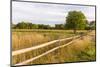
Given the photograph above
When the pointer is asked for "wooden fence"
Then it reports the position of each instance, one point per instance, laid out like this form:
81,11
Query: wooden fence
17,52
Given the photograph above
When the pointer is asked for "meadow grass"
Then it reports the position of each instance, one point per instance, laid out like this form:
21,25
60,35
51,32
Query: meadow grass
24,39
81,50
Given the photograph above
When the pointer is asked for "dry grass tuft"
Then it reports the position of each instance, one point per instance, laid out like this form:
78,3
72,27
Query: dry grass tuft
27,39
81,50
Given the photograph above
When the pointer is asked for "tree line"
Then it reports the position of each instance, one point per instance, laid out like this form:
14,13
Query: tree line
29,25
75,20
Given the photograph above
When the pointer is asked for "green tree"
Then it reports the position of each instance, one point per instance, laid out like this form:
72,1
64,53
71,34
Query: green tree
92,25
34,26
59,26
75,20
23,25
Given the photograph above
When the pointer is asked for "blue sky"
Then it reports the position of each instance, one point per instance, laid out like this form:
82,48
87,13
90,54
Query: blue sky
43,13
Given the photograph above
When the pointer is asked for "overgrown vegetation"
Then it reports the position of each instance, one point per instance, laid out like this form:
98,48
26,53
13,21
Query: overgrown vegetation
28,38
29,25
81,50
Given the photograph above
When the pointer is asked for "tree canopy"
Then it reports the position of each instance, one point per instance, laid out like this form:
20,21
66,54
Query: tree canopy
75,20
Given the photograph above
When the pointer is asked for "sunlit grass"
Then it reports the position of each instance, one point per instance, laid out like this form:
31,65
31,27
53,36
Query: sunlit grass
80,50
25,39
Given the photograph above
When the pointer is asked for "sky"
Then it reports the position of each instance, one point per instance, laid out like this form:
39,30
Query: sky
44,13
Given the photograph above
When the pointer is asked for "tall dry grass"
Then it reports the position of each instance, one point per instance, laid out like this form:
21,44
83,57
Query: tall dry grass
21,40
25,56
26,39
82,49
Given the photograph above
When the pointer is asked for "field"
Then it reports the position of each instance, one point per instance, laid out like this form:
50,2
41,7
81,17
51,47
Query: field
52,33
27,38
83,49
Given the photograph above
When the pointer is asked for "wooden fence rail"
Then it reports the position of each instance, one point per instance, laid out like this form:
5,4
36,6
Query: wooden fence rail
47,52
17,52
39,46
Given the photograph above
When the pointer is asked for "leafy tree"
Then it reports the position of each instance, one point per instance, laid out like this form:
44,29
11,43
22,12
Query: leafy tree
59,26
92,25
75,20
34,26
42,26
24,25
46,27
